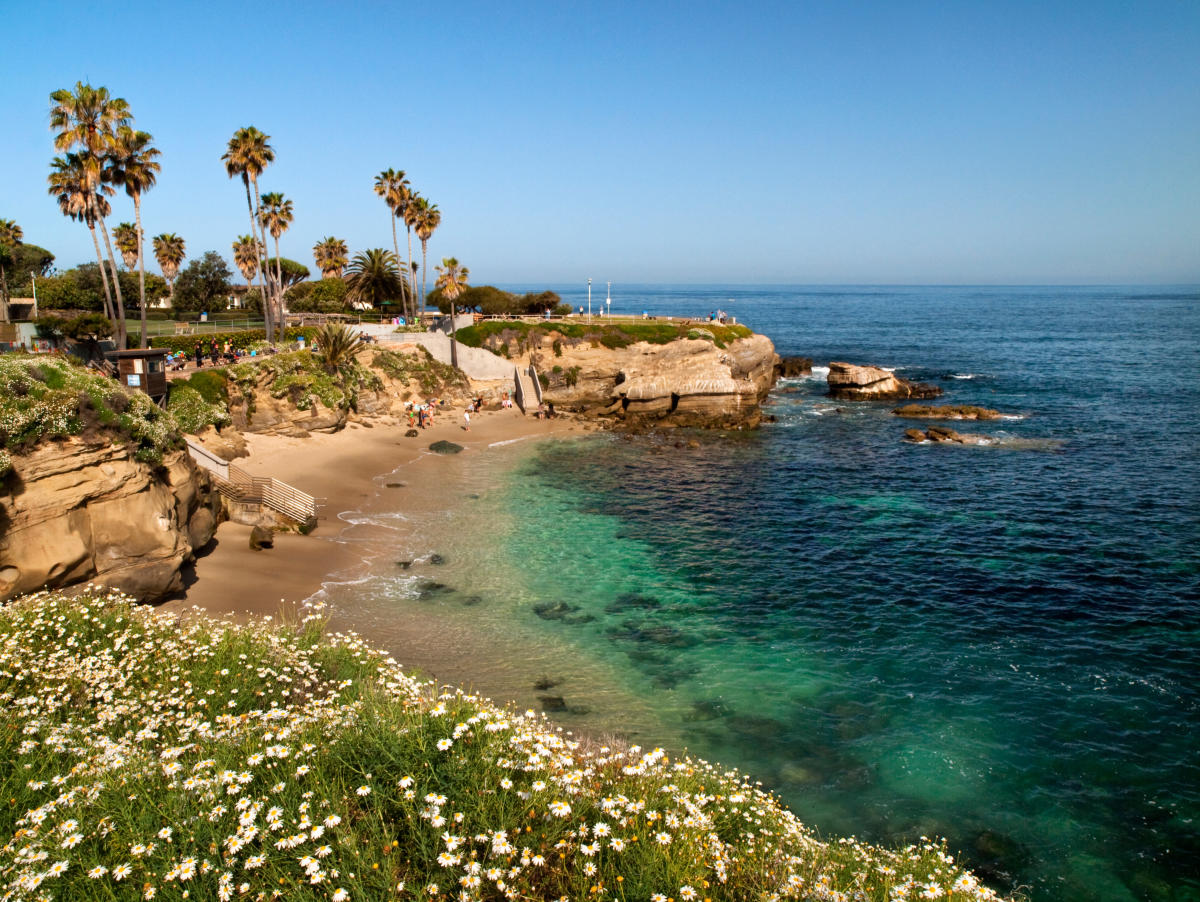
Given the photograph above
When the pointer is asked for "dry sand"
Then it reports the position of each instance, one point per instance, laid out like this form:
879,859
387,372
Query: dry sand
341,470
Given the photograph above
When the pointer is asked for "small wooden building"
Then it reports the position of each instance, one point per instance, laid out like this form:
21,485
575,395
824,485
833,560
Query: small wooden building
143,370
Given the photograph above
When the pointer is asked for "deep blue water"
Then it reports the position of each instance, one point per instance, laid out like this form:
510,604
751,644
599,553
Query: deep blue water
999,645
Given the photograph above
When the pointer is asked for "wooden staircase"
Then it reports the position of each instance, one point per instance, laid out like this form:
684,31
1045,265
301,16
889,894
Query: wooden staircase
246,493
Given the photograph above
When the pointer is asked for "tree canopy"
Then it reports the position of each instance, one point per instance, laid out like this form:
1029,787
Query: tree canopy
492,301
293,272
204,284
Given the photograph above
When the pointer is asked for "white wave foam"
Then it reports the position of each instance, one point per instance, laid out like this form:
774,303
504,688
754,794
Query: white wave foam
508,441
821,371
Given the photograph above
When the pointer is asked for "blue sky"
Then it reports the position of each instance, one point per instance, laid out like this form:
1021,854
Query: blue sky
659,142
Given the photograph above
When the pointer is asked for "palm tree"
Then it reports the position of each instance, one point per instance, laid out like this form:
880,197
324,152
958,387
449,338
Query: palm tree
276,216
135,167
393,187
71,186
90,118
125,235
247,155
247,254
427,217
169,250
452,280
330,255
374,276
10,237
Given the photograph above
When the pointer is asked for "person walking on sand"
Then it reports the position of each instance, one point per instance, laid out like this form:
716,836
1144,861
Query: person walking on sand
467,417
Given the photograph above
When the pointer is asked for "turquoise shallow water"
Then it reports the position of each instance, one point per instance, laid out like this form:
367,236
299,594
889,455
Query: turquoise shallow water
994,644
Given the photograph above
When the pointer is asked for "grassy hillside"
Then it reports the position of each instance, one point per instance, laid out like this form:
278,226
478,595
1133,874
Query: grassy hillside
145,757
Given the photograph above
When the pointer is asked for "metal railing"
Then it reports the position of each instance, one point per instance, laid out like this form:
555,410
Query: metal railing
237,485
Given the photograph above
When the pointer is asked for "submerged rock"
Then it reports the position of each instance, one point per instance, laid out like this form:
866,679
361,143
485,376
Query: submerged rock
444,447
945,435
543,683
851,382
553,702
946,412
436,558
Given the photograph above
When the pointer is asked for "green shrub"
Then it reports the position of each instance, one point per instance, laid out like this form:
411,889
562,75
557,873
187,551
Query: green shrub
242,339
192,411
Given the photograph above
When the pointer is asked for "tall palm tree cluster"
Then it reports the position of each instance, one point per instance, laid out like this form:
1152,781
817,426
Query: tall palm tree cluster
419,215
100,149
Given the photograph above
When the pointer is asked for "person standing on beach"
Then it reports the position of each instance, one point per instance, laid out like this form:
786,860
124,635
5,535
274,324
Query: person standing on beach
467,417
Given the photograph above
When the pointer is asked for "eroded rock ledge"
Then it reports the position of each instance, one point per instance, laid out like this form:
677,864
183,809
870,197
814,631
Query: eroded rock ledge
73,511
850,382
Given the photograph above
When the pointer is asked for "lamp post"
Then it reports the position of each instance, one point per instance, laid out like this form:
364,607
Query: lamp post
589,300
608,300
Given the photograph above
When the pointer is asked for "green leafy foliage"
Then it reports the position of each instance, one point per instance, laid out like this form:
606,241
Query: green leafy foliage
242,340
27,260
204,284
523,335
433,376
192,411
492,301
325,296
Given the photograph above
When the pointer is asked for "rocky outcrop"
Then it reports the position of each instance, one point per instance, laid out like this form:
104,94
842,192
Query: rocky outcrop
77,512
791,367
946,412
849,382
686,382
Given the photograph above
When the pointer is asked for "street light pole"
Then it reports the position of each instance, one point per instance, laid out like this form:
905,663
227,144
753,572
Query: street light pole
608,300
589,300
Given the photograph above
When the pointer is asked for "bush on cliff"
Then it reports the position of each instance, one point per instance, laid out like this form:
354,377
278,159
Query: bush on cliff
143,755
47,397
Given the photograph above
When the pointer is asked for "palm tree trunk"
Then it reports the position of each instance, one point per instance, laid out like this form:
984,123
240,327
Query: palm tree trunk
108,308
412,276
3,296
396,247
262,285
279,285
275,303
122,341
137,214
424,263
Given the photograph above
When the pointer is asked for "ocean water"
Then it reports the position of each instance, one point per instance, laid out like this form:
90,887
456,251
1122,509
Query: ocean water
996,644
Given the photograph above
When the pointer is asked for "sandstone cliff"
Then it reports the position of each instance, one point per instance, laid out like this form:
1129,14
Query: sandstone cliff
76,511
686,382
849,382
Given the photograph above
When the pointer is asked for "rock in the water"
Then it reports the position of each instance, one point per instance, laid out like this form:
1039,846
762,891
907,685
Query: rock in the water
553,610
395,485
790,367
544,683
945,435
947,412
436,558
553,702
412,433
444,447
403,565
262,537
850,382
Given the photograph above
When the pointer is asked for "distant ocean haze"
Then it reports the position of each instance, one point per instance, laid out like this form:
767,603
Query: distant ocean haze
992,643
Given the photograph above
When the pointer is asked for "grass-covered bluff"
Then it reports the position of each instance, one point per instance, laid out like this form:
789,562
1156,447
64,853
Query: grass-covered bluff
147,757
47,397
509,338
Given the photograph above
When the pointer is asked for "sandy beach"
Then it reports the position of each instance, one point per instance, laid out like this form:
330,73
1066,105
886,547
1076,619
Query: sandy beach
343,471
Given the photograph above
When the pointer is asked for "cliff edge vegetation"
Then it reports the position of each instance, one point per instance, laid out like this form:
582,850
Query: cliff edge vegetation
146,756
